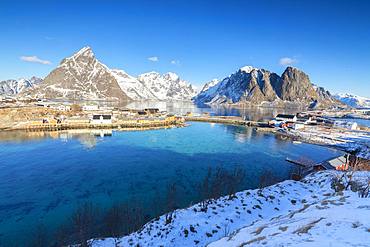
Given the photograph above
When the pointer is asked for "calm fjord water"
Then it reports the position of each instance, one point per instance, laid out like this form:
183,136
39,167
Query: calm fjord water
45,176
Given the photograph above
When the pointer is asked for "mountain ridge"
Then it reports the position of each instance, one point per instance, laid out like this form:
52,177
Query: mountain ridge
13,87
255,86
353,100
82,76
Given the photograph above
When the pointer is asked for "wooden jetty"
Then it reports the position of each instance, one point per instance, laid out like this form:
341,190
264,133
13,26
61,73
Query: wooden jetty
123,124
225,120
304,168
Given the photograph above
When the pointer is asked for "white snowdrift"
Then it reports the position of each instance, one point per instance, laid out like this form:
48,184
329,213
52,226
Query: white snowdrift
306,213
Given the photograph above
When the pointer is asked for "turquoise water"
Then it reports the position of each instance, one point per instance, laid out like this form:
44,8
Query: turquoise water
45,176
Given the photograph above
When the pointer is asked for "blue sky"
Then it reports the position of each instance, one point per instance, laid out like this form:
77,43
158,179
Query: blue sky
199,40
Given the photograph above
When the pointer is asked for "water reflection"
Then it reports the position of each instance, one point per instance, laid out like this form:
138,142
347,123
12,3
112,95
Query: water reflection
87,137
182,107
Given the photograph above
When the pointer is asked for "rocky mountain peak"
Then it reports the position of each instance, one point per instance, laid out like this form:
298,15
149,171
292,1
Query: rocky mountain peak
171,76
167,86
84,52
247,69
296,86
85,55
80,77
250,85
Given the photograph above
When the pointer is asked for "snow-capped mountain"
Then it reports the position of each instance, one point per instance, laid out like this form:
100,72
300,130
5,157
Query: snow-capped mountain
353,100
246,84
133,88
13,87
82,77
259,86
168,86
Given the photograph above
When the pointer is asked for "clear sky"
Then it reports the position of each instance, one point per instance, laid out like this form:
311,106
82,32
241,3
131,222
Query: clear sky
199,40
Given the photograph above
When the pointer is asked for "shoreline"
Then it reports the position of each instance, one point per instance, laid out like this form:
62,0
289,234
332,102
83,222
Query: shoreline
341,143
340,139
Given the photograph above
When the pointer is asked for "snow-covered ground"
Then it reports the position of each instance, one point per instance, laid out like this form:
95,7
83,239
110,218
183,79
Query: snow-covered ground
338,219
305,213
348,140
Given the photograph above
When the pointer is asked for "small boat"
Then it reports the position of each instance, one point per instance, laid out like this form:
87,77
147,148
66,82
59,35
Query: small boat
297,142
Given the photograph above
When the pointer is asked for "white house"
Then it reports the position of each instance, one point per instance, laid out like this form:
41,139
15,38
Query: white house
298,126
63,107
286,118
101,119
346,125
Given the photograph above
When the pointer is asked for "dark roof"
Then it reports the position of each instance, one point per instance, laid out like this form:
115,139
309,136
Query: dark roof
285,116
105,116
303,118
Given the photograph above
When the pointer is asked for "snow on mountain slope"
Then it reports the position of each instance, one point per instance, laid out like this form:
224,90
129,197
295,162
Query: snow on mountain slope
298,211
248,69
134,88
13,87
247,84
167,86
255,86
208,85
82,77
353,100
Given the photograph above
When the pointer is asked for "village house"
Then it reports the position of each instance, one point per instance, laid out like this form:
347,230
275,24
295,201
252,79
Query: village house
101,118
346,125
309,120
60,107
142,113
151,110
286,118
298,125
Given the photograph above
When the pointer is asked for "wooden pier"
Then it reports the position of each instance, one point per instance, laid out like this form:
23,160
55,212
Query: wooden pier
227,120
135,124
130,124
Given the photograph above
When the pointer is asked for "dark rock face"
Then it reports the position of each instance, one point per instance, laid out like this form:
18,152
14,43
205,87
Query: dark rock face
251,85
296,86
259,86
